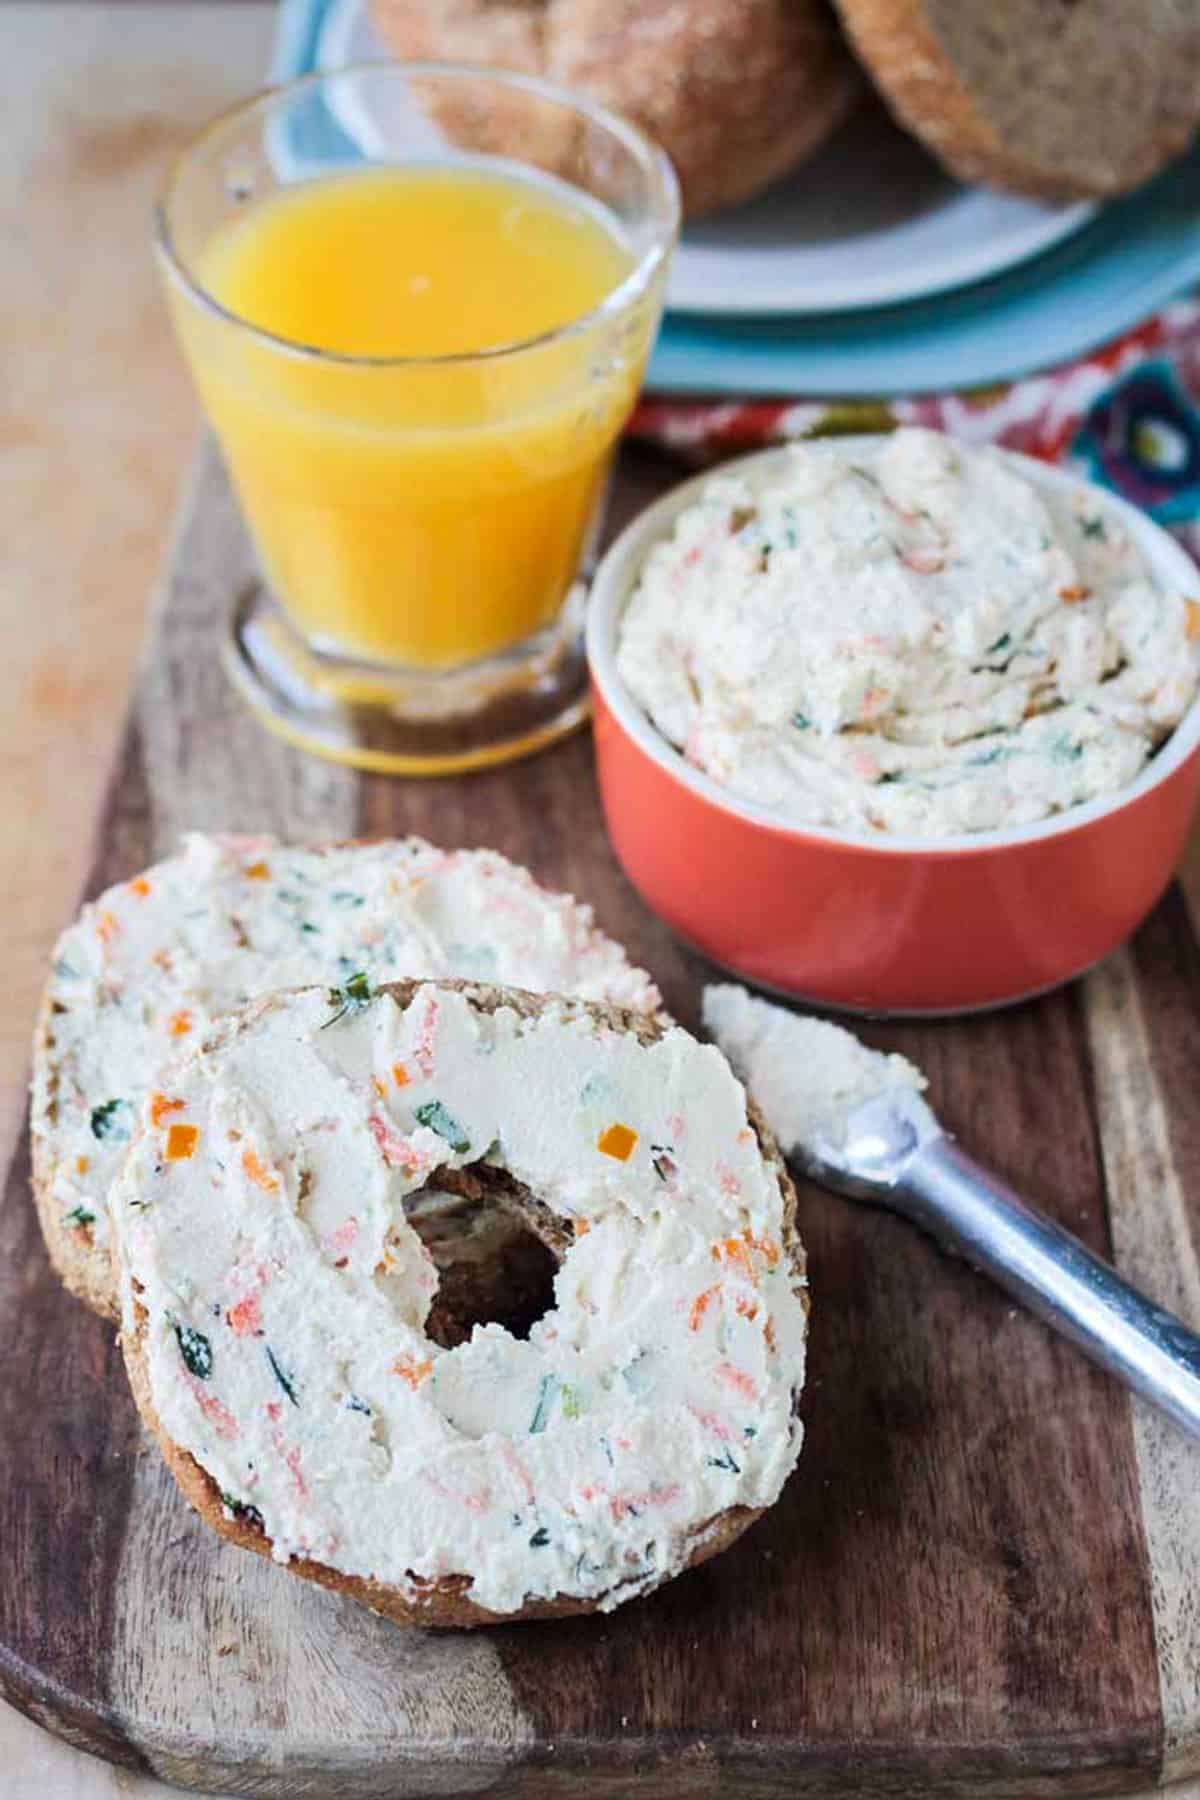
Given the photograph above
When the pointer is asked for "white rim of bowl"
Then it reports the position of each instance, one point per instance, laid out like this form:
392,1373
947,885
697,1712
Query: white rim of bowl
613,585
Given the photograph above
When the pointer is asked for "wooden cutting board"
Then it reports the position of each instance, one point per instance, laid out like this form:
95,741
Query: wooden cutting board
984,1578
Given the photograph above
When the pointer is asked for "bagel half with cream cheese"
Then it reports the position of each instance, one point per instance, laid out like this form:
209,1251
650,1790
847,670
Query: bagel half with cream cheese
275,1299
146,968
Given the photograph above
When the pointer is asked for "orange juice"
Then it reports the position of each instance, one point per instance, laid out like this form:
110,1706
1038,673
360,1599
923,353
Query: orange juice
426,507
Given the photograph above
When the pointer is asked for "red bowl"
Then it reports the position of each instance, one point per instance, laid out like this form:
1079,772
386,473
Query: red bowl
899,925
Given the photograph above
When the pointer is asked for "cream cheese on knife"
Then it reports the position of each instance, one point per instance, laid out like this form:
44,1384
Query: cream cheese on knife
807,1075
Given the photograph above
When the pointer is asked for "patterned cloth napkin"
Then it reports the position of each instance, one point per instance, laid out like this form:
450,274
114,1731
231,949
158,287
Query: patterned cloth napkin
1127,416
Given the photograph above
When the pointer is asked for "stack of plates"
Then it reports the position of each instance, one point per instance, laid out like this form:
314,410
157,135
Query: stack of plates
870,272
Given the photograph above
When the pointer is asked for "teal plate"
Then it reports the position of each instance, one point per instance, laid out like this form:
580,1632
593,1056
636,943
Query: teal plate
1140,252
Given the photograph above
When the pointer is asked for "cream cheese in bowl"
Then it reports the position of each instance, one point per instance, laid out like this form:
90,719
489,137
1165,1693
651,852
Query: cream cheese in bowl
910,637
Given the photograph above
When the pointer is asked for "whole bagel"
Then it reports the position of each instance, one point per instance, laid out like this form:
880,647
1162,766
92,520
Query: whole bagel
735,91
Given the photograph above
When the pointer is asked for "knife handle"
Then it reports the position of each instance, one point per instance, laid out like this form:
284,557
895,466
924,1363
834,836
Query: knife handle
973,1212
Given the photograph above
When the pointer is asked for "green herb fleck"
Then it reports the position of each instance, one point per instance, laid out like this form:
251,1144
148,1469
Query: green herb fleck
357,1405
285,1380
1001,643
240,1509
1093,527
801,721
195,1350
540,1538
79,1215
344,897
547,1388
433,1114
996,754
313,930
354,993
724,1461
749,1430
111,1120
572,1402
888,776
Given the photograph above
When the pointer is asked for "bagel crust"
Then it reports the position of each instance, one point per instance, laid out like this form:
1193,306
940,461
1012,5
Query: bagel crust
1063,102
145,969
276,1342
737,92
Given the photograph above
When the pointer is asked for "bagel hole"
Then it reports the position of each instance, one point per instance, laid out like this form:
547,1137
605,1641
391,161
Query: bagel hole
492,1269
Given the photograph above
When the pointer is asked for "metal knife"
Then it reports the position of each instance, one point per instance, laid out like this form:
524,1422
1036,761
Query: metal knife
888,1148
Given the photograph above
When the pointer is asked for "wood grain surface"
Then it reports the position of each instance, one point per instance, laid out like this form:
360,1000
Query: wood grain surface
981,1579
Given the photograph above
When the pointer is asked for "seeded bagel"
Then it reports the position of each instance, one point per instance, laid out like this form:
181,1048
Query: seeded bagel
145,968
274,1341
1071,100
736,91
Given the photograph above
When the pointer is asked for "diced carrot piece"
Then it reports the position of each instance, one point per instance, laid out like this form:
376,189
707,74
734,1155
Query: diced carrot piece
245,1316
580,1227
411,1371
160,1106
258,1172
736,1378
81,1165
181,1142
257,871
700,1306
1191,629
107,927
766,1247
617,1141
378,1086
1074,593
400,1075
139,886
736,1251
180,1024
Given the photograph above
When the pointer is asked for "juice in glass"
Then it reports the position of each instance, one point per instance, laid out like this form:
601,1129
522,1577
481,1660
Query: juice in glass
435,527
417,370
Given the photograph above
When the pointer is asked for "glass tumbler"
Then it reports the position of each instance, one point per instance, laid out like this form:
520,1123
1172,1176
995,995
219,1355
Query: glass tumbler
422,524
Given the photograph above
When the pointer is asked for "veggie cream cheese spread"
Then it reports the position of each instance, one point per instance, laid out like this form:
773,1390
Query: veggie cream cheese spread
143,971
806,1074
260,1224
909,637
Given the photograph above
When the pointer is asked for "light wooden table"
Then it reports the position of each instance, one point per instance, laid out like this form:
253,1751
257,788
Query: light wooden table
96,427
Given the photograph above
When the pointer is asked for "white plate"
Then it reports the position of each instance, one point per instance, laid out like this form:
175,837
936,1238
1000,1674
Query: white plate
870,221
